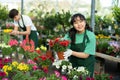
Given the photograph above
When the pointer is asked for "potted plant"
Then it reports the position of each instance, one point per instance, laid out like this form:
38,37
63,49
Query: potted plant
59,46
62,65
7,51
43,62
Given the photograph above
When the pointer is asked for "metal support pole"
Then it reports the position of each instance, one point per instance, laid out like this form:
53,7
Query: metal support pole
57,10
22,5
92,14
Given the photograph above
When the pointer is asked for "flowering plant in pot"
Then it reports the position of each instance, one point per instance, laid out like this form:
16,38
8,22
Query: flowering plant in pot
13,43
62,65
6,50
59,46
44,62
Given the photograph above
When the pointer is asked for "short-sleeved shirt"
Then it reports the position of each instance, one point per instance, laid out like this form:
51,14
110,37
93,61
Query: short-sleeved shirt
90,45
27,22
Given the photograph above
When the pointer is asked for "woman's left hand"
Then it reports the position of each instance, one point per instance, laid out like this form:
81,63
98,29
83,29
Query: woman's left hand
67,53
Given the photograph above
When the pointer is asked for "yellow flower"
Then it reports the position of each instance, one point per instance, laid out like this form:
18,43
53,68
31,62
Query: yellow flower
7,30
37,48
43,48
9,68
23,67
5,68
15,63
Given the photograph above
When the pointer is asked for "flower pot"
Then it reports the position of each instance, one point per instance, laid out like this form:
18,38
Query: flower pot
49,53
60,55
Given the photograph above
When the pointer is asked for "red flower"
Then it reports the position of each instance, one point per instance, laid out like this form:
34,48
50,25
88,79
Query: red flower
51,43
59,45
57,40
2,74
1,65
7,60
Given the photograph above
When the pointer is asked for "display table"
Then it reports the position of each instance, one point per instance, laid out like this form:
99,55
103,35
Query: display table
108,57
100,61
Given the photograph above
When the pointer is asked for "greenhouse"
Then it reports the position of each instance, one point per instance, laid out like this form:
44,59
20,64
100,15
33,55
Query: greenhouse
59,40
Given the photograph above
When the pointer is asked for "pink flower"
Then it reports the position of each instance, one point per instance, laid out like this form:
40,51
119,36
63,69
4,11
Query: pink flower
57,73
35,67
64,78
13,42
31,62
4,78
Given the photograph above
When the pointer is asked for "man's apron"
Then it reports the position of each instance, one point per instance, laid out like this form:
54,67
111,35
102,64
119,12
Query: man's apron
33,34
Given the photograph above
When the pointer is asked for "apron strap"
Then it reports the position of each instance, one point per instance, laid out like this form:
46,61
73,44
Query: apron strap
85,38
23,28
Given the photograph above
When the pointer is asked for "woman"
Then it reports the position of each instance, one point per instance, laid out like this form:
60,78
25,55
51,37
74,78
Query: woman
25,23
83,44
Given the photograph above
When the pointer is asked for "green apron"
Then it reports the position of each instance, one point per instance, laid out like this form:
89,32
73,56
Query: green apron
34,37
86,62
33,34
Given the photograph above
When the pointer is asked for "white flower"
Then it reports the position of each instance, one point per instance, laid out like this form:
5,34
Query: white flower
64,67
70,67
57,66
82,69
75,76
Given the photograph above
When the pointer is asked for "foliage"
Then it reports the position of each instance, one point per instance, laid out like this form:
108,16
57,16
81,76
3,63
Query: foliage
50,22
59,45
23,76
63,19
6,37
38,74
52,77
116,12
3,12
103,77
43,61
76,73
6,50
102,43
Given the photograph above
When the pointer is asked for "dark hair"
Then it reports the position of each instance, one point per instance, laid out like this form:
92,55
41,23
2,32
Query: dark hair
13,13
73,31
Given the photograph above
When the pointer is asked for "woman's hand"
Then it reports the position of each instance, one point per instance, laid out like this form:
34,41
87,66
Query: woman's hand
67,53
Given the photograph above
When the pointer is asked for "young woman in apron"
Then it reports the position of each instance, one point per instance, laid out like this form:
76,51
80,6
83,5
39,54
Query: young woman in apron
83,44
